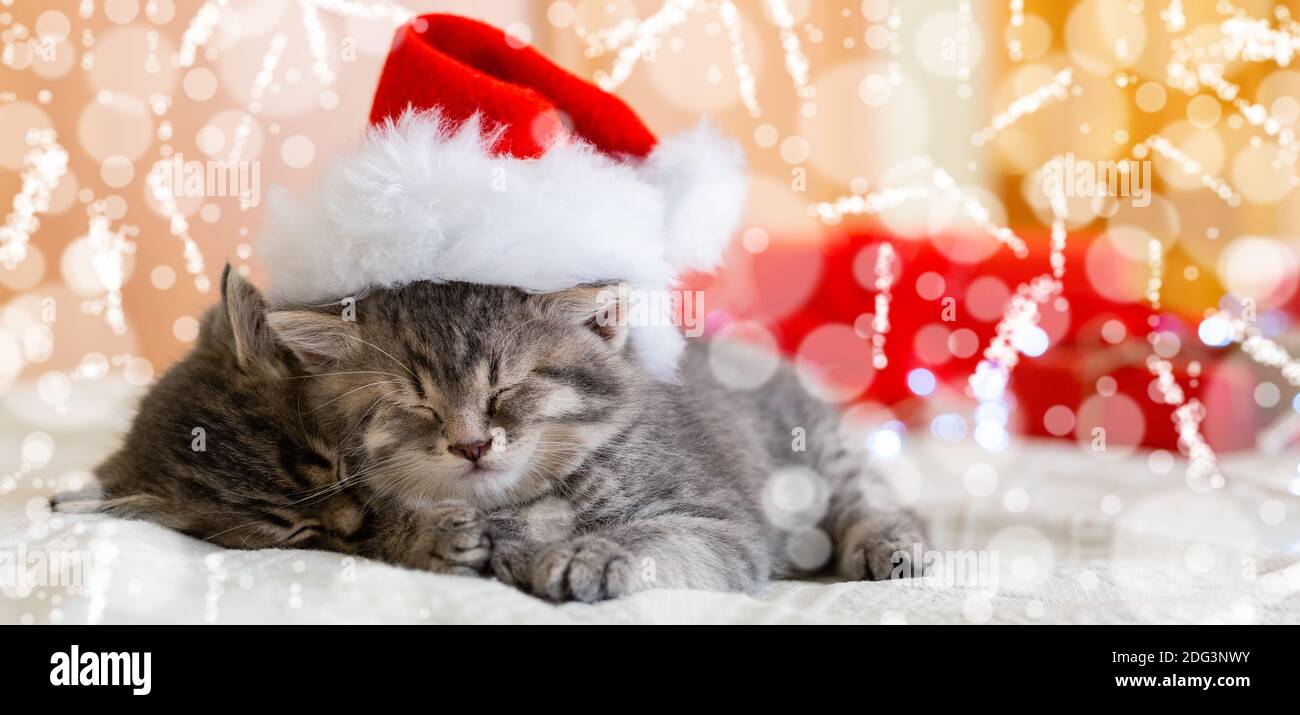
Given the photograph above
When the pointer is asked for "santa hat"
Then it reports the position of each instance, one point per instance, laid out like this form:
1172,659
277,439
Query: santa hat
485,162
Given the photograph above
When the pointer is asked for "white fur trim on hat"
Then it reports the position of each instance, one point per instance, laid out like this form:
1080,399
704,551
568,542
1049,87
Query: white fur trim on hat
702,176
421,199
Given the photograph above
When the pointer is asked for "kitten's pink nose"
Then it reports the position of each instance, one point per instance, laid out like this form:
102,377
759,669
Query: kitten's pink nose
471,451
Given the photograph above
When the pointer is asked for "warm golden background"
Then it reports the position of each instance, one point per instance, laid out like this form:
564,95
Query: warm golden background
886,82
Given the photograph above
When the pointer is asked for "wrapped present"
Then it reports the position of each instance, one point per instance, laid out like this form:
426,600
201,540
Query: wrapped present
1084,369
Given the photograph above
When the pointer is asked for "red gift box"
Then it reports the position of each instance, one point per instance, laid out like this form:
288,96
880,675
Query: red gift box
1086,341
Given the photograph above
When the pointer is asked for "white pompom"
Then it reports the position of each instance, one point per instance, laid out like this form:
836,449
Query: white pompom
702,176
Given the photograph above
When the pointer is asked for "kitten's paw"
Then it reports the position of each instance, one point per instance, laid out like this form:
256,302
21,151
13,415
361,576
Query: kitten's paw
509,563
587,568
454,539
883,548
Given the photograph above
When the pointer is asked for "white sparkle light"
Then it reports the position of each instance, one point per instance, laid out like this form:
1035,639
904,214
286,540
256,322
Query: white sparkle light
317,42
796,62
939,184
635,40
104,555
886,262
1261,349
14,37
1026,105
160,188
1254,40
1014,50
1241,38
1017,331
963,58
1060,212
216,586
365,10
1257,115
108,251
261,82
1165,148
1021,316
1173,16
200,30
873,203
1155,271
44,165
1202,464
730,17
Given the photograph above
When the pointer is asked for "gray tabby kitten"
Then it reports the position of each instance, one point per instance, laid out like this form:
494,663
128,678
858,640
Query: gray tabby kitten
222,449
592,480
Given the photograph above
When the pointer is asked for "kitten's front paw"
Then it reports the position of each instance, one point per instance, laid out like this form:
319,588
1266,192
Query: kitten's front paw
879,550
454,539
510,563
587,568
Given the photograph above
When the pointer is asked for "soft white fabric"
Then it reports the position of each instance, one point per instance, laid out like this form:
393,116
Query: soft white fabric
420,199
1167,555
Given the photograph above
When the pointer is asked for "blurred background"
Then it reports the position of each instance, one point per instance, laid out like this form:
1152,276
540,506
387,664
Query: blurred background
957,105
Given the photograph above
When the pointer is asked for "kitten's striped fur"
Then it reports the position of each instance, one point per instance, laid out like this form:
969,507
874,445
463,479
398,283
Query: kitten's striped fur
224,449
598,481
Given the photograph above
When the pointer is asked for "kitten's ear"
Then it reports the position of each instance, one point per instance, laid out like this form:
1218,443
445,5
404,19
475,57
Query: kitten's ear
316,338
246,312
91,500
602,309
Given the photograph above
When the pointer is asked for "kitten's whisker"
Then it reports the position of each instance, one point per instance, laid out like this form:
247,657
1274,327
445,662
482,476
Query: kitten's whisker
349,392
390,357
388,488
334,374
341,484
226,531
400,461
551,475
361,420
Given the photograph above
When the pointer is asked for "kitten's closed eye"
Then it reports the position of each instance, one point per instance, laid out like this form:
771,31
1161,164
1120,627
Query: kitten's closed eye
418,408
427,410
290,530
496,398
302,531
424,409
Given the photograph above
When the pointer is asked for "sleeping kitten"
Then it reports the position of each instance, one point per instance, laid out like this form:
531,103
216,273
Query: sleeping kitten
223,449
595,481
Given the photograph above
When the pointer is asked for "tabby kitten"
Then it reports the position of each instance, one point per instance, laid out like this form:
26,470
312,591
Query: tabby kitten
224,450
594,480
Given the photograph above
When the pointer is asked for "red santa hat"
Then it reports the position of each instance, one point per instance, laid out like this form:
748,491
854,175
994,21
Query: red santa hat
486,162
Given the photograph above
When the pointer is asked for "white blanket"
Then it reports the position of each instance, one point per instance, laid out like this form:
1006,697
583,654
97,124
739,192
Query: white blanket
1067,537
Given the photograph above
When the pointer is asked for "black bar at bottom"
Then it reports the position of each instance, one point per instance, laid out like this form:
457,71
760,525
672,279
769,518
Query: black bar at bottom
305,663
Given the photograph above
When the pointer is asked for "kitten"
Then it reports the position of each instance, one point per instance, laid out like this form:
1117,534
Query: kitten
594,480
223,449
